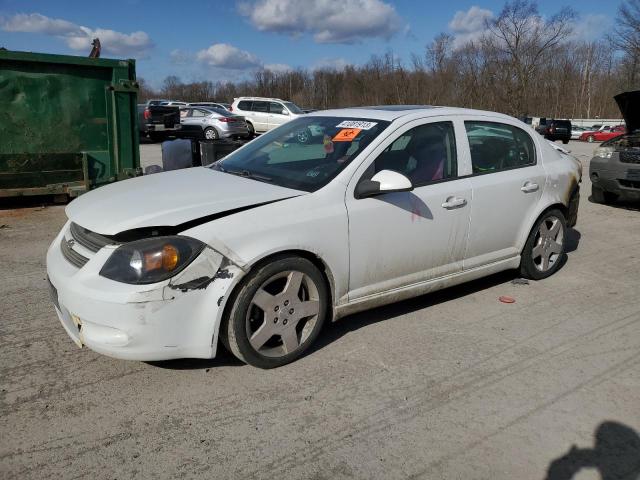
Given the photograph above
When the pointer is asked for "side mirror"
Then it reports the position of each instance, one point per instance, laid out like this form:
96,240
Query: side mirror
385,181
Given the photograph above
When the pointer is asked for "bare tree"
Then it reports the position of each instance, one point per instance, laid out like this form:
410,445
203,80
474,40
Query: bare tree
627,38
525,40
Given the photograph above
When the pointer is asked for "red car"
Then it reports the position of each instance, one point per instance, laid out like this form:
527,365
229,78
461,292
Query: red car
603,135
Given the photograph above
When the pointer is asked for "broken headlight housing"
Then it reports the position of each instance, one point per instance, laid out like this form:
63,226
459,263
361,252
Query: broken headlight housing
151,260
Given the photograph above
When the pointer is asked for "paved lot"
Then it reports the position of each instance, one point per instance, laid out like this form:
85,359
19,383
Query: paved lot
451,385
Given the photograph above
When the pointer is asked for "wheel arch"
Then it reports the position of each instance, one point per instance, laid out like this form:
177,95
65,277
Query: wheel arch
322,266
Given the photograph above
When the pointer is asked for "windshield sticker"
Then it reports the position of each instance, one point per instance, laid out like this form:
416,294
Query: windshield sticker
327,144
347,134
357,124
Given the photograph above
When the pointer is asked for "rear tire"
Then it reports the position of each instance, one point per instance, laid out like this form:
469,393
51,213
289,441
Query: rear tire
252,131
276,313
590,139
544,251
157,137
598,195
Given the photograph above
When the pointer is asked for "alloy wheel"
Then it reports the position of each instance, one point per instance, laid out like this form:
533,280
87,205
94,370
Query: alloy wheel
548,243
282,314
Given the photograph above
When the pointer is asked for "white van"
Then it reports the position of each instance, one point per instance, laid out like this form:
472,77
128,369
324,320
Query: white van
263,114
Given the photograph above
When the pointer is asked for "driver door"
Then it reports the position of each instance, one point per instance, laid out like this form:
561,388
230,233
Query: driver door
405,238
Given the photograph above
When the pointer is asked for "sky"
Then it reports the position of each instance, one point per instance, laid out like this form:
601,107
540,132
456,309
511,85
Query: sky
228,40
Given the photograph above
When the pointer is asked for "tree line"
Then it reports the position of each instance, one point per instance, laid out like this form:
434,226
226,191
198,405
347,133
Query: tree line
521,64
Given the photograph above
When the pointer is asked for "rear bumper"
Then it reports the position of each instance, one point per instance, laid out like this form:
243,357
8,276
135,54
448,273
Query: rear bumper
611,175
162,128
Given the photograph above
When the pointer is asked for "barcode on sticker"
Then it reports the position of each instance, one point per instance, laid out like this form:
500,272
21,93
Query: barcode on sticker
356,124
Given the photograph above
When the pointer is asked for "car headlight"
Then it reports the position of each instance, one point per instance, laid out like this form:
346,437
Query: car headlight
603,152
151,260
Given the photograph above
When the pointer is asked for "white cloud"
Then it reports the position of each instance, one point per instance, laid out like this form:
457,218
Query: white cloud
278,67
329,21
224,55
78,37
469,25
591,27
180,57
330,64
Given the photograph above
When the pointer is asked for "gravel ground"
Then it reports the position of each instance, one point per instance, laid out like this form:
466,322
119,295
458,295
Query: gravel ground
449,385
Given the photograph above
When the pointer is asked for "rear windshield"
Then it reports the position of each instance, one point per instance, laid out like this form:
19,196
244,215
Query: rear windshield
305,153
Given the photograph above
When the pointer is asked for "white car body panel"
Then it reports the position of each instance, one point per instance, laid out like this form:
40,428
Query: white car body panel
369,248
168,199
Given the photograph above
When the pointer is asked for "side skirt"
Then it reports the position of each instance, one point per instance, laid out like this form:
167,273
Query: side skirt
417,289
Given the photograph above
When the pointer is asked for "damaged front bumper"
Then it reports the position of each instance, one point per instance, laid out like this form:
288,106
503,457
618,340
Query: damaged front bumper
176,318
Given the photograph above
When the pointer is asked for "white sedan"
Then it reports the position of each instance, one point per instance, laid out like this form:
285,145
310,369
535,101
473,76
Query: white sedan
261,249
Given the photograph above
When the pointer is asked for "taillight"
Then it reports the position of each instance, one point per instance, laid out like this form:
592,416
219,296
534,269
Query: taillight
552,129
147,114
226,120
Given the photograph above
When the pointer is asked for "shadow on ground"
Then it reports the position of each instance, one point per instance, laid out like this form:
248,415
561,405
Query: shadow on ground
615,455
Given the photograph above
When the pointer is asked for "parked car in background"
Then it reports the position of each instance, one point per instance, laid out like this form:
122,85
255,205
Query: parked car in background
264,247
615,167
211,123
158,121
263,114
577,131
224,106
603,135
175,103
553,130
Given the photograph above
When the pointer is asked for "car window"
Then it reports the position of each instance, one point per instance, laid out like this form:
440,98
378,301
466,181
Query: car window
184,112
245,105
305,153
424,154
260,107
196,112
497,146
275,107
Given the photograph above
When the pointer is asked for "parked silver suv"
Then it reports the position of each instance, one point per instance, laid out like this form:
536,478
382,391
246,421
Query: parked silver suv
263,114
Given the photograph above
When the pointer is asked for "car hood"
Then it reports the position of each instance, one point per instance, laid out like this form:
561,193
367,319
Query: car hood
629,105
170,199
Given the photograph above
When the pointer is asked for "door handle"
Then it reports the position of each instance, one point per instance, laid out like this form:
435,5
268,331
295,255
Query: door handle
454,202
529,187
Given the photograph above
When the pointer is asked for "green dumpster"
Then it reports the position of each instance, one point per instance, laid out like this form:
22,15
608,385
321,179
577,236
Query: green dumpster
68,123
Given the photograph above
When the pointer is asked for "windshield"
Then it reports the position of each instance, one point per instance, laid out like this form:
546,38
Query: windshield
305,153
293,108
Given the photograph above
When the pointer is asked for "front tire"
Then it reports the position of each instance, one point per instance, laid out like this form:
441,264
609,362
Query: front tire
544,251
590,139
277,313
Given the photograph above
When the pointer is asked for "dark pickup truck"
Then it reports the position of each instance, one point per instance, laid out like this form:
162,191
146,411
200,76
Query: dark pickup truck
158,121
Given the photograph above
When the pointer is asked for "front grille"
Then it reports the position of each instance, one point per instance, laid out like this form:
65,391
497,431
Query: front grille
71,255
88,239
630,183
630,157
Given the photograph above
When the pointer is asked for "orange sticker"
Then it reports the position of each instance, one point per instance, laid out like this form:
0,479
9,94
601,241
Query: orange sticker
346,134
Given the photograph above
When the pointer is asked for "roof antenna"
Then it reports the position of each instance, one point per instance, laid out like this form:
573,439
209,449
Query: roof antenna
95,51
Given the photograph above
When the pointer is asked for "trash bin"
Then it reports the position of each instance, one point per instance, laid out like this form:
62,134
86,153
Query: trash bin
213,150
180,153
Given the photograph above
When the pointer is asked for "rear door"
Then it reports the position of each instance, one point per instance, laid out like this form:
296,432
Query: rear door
260,116
507,181
277,115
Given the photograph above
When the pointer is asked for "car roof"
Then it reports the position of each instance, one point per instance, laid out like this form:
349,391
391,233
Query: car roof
393,112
